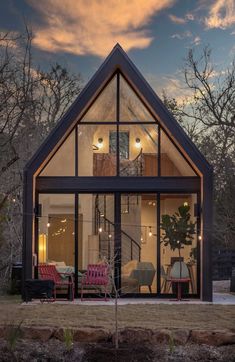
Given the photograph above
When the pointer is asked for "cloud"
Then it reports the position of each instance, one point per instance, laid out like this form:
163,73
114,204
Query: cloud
221,14
184,35
94,26
196,41
189,16
177,20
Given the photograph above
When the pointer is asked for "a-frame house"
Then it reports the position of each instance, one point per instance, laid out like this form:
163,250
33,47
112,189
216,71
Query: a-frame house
100,185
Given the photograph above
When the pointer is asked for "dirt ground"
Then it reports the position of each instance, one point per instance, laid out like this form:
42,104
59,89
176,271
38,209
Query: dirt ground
55,350
192,316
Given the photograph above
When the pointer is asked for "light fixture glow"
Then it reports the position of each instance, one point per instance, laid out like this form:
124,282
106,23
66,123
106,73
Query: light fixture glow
199,237
48,224
185,204
137,143
100,230
150,231
100,142
110,236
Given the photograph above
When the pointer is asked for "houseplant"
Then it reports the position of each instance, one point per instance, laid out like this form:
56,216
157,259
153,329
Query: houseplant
178,230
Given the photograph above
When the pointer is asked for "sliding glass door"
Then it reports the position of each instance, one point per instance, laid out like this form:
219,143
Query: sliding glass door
147,238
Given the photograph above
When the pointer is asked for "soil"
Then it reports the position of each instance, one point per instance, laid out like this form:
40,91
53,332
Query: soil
55,351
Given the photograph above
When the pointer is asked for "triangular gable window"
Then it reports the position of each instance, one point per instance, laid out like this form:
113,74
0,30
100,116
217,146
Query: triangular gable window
132,108
172,161
63,161
104,107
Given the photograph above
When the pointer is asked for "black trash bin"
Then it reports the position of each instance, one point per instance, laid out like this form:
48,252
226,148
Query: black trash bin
16,278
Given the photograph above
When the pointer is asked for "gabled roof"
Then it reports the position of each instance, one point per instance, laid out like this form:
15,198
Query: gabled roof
118,59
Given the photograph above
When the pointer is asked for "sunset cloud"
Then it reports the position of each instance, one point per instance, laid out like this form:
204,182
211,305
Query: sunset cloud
221,14
177,20
94,27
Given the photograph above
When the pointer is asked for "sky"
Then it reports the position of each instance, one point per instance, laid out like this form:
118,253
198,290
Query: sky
156,34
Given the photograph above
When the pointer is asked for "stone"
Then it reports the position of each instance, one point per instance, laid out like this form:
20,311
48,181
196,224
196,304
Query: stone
180,336
40,333
213,338
91,335
134,335
85,335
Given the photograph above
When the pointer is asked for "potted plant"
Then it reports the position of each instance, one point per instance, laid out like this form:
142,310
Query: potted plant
177,231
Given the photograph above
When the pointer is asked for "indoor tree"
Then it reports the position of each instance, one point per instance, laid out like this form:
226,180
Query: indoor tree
178,230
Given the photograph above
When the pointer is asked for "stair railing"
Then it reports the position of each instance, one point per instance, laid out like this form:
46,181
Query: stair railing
110,224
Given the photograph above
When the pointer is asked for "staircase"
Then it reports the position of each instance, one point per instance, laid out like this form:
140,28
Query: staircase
104,227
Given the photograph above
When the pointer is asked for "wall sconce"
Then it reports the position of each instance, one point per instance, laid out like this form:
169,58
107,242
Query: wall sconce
100,142
137,143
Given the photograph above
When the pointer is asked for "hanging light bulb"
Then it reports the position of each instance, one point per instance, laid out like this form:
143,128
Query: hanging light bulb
150,231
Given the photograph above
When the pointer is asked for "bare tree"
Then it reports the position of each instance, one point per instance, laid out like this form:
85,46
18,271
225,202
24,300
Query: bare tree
31,103
209,119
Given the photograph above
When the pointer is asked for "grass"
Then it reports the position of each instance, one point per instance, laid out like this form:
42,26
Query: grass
149,316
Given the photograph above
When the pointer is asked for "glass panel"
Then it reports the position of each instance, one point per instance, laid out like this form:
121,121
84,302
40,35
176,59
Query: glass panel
104,107
141,149
138,243
95,231
63,161
131,107
172,162
178,242
56,231
96,157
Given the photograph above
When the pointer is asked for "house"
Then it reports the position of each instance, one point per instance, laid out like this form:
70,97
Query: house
101,183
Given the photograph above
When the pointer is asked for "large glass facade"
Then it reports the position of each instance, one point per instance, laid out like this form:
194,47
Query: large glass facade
120,138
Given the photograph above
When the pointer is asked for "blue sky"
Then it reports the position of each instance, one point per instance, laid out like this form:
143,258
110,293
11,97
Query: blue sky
157,34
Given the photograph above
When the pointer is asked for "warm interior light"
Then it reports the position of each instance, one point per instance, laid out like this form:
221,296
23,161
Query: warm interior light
150,231
137,143
199,237
110,236
100,143
42,248
48,224
100,230
185,204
